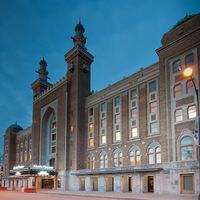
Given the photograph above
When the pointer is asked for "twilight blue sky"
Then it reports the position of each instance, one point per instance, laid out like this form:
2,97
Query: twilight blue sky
122,35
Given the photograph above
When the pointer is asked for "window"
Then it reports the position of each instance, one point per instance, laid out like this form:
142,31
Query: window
118,159
131,158
21,157
176,66
158,155
134,157
191,112
91,144
103,107
134,132
91,111
189,60
137,157
25,156
103,123
103,160
90,162
189,87
134,113
153,107
152,86
53,137
91,127
53,150
117,101
133,94
103,139
154,127
117,118
150,156
54,125
187,148
117,136
178,115
177,90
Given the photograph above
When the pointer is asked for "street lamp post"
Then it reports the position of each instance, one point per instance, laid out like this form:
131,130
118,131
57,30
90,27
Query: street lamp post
188,72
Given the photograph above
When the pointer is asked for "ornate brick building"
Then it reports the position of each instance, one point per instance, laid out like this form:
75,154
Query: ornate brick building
135,135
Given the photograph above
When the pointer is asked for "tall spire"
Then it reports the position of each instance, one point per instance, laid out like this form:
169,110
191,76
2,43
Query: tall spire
42,71
79,37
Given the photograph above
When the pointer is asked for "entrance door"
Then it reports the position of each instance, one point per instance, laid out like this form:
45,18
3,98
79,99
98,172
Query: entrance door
150,184
82,184
109,184
47,183
187,183
95,184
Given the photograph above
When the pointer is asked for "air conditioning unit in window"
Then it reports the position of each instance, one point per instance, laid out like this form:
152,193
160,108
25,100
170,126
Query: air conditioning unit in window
85,68
71,68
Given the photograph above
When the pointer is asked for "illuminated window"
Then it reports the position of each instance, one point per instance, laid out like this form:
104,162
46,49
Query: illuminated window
178,115
91,127
117,136
191,112
153,107
72,128
189,60
103,123
158,155
21,157
90,162
177,90
187,150
133,94
103,107
134,113
25,156
189,87
137,153
134,157
152,86
103,139
154,127
117,101
91,144
54,125
134,132
177,66
150,156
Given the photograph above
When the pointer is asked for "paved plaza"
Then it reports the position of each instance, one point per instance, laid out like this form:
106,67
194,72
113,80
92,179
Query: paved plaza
77,195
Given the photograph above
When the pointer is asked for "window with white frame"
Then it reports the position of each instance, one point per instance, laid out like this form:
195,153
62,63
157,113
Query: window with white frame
90,161
118,158
176,66
153,108
103,160
90,127
134,156
191,112
189,60
154,153
103,122
177,90
187,148
178,115
190,87
117,119
133,117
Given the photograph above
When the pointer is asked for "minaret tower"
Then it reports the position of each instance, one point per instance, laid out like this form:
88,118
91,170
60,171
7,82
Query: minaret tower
41,83
79,70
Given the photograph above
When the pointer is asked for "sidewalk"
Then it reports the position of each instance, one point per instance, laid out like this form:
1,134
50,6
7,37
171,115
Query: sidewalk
129,195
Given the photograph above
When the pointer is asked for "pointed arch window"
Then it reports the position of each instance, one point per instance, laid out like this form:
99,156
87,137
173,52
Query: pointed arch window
134,156
118,158
103,158
90,161
154,153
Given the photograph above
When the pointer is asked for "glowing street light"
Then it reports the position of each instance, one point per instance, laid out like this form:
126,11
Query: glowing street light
188,72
